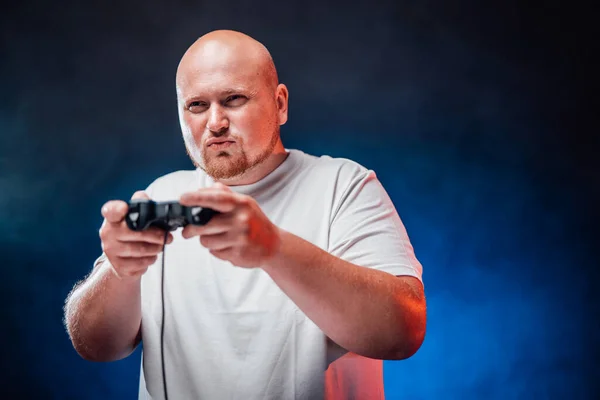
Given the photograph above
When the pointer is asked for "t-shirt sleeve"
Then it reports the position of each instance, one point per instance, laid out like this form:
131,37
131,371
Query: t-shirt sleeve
366,230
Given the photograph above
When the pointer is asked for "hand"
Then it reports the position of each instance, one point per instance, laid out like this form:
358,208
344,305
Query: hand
242,234
130,253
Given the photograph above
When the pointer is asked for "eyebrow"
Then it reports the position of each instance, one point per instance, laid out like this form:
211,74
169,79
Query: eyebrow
227,92
235,90
239,89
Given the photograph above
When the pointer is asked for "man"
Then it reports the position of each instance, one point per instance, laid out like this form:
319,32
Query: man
307,261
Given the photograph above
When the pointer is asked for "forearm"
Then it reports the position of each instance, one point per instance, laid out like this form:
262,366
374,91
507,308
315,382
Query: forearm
366,311
103,315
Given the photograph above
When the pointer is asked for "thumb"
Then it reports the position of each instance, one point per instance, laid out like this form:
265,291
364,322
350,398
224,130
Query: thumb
140,194
114,211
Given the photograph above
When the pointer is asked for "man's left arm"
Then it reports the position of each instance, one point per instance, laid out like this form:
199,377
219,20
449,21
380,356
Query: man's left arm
364,290
365,311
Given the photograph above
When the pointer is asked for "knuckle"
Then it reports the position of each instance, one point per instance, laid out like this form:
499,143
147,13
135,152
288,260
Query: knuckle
244,201
243,217
222,194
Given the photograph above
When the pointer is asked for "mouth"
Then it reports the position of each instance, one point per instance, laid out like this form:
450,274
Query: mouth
219,144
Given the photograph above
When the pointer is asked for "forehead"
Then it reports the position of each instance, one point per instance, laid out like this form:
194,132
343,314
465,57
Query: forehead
217,70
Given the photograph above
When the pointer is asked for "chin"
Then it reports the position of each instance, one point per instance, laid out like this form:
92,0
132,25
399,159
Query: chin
226,166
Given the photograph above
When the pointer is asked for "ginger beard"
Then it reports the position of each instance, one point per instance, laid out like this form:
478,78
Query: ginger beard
230,163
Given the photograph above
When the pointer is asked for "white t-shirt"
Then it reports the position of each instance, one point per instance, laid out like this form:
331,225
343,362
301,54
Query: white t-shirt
230,332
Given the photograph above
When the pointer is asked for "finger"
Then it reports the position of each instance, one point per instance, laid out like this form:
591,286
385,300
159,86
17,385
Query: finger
114,211
223,254
218,224
218,200
140,194
221,186
136,249
151,235
130,266
219,242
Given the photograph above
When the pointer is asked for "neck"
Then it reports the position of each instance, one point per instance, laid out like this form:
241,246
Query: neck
255,174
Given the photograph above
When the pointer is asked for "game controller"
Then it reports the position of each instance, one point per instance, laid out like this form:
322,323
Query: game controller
167,215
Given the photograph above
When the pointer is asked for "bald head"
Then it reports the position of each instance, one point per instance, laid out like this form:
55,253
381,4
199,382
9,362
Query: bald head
231,106
230,52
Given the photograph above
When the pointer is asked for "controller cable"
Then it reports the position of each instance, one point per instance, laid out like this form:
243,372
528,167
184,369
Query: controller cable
162,327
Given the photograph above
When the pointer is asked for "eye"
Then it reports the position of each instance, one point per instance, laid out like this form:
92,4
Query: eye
196,106
236,100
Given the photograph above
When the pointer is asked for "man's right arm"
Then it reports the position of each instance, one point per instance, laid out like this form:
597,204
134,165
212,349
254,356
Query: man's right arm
103,314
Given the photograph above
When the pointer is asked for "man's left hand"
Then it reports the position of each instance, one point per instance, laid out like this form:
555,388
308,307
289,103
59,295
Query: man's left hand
242,234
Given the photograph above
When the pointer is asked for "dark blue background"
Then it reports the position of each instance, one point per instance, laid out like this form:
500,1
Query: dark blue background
476,118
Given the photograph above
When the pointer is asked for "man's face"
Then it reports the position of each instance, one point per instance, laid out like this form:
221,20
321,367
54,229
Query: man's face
228,115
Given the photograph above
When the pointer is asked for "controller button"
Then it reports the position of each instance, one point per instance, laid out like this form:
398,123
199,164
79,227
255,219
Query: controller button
196,211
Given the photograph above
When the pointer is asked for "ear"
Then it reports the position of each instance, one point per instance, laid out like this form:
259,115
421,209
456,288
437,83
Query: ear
281,97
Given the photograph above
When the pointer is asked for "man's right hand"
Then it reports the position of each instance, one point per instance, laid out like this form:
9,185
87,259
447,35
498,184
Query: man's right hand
130,253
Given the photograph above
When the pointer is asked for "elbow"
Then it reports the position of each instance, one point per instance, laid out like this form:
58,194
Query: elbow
96,344
86,353
402,347
411,335
408,346
83,349
80,347
403,343
97,349
99,354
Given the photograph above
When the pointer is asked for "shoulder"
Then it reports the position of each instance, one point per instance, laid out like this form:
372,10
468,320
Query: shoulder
340,170
172,184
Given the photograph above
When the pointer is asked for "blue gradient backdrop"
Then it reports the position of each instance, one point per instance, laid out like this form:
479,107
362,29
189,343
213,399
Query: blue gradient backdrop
475,118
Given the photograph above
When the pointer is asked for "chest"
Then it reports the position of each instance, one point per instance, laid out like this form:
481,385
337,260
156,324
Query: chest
196,280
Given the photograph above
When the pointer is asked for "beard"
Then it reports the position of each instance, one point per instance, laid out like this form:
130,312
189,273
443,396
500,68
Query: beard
229,164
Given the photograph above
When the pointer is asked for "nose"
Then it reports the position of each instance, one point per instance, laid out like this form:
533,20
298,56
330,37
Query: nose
217,120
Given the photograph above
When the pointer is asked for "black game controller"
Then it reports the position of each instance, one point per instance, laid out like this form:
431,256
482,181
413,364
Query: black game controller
167,215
